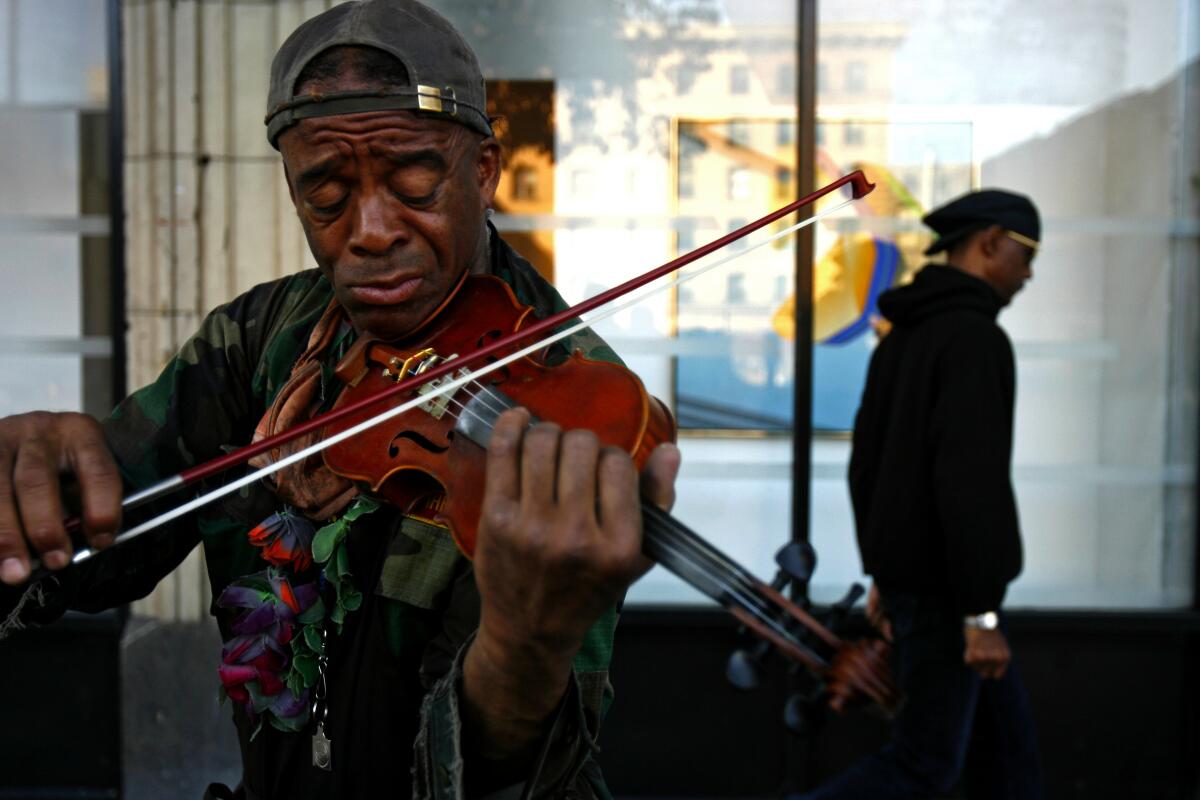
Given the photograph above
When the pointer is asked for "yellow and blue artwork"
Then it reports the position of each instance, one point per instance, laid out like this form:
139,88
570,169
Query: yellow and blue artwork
848,277
749,373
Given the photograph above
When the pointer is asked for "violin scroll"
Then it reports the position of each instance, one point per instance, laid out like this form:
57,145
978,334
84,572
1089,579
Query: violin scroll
844,674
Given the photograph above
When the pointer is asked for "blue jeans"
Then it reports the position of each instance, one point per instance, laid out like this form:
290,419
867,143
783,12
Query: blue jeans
953,722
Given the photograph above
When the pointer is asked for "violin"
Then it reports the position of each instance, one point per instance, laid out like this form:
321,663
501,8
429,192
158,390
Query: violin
434,457
413,423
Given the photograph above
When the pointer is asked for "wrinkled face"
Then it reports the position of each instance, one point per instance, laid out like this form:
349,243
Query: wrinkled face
1009,265
393,207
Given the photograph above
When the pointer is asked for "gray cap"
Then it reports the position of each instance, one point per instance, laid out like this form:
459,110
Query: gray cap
443,71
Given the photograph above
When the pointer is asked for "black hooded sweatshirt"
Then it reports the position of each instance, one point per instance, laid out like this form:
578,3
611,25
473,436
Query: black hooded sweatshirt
930,470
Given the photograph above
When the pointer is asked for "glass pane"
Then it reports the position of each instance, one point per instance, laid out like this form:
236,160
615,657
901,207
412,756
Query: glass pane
602,103
54,169
40,383
40,163
42,293
5,53
61,52
1105,436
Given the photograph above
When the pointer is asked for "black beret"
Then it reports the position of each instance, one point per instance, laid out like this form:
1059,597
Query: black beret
978,210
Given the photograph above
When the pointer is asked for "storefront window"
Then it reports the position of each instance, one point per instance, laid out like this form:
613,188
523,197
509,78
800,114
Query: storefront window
1090,109
55,335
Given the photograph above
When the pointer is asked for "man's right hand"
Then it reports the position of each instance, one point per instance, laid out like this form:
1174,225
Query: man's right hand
36,451
986,652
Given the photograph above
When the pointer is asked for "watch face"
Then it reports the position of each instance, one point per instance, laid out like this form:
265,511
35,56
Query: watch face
987,621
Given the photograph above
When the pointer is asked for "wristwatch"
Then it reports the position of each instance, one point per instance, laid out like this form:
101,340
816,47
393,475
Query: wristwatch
987,621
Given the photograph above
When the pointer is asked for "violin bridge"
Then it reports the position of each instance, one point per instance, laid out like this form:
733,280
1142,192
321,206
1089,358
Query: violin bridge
398,369
437,407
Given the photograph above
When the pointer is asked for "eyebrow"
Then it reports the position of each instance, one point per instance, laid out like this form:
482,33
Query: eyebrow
318,171
429,156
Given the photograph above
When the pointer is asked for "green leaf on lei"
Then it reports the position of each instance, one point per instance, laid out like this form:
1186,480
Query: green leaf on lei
361,505
312,637
351,601
307,667
328,538
329,548
295,682
313,614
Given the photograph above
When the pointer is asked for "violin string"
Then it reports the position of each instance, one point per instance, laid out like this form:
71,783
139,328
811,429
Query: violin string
764,608
486,397
446,387
675,543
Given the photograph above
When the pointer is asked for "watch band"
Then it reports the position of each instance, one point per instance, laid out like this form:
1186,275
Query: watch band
987,621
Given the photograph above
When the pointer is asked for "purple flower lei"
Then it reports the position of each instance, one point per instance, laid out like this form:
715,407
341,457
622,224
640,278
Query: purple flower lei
270,665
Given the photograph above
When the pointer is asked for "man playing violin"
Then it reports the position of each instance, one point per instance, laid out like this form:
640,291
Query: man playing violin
364,655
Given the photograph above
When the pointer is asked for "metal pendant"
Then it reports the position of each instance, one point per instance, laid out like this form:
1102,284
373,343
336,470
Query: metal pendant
322,749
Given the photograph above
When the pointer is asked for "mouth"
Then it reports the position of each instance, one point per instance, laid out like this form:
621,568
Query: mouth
386,293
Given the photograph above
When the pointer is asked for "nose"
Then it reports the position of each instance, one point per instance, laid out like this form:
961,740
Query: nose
377,225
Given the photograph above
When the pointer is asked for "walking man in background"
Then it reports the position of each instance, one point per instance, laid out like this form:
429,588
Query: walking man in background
936,516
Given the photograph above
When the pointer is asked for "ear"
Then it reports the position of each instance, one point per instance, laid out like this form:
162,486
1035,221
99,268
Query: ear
487,170
991,240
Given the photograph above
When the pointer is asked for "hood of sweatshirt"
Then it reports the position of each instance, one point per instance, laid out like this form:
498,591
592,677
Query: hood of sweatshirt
935,290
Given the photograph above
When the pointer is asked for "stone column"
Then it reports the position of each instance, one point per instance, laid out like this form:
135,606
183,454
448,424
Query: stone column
207,211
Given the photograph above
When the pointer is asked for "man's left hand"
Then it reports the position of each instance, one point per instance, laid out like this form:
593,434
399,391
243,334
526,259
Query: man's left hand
560,540
986,652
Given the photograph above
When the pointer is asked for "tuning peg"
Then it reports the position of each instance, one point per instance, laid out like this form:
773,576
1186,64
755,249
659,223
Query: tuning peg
797,560
852,596
744,668
803,714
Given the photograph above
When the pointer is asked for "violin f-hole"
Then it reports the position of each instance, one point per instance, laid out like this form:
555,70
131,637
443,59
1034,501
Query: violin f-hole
417,439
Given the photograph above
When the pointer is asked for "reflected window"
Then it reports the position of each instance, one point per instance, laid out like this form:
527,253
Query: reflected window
785,79
783,180
739,79
735,289
525,183
856,77
739,132
583,183
739,183
685,240
687,179
734,224
784,133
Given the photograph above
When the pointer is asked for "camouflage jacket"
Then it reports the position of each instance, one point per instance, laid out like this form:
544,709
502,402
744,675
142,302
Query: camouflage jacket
395,670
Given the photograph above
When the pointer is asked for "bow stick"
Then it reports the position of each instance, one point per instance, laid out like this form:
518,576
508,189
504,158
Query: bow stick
856,180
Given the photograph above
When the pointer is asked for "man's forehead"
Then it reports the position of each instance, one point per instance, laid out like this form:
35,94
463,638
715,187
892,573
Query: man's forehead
380,130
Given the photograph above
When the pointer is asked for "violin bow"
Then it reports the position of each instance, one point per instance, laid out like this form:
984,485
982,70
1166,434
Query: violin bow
859,187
